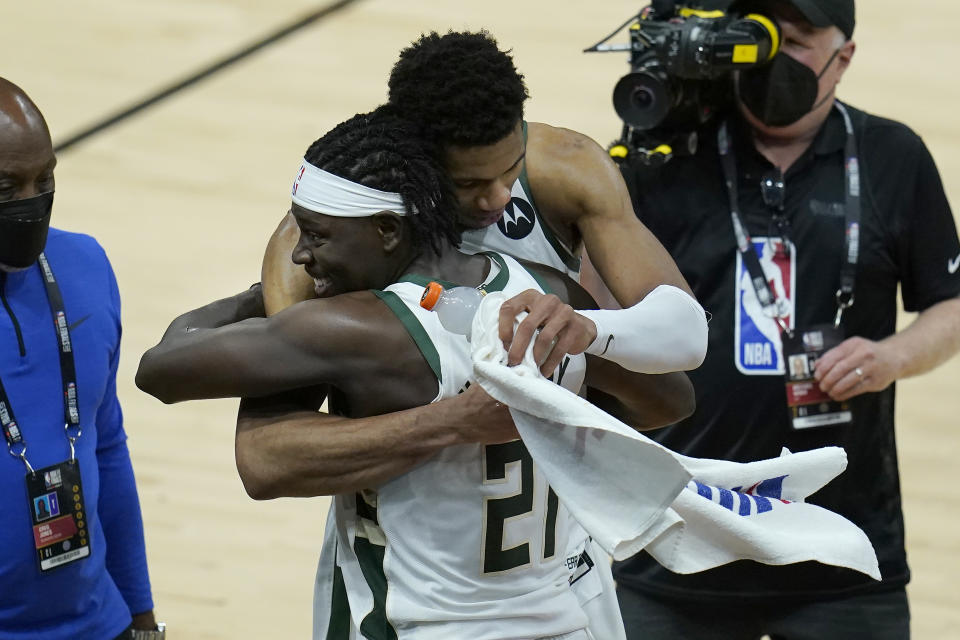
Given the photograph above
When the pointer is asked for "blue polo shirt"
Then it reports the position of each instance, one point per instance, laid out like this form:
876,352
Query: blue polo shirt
94,597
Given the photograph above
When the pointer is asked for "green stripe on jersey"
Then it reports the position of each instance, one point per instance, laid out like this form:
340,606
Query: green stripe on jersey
375,625
571,261
339,625
414,328
498,283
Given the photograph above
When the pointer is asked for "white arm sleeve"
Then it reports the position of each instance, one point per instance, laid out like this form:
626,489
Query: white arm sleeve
664,332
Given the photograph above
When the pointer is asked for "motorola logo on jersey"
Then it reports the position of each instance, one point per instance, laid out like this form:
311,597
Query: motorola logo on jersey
518,219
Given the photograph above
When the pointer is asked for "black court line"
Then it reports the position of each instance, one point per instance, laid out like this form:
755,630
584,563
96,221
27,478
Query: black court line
202,74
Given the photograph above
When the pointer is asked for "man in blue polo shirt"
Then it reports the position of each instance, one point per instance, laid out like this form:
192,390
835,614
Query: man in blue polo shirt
72,558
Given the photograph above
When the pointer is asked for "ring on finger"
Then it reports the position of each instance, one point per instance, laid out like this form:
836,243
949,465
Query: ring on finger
859,372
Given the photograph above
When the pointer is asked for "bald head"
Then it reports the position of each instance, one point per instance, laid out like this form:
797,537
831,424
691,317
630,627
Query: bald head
26,151
17,107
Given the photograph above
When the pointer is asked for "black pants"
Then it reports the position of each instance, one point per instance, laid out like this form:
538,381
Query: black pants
126,635
884,616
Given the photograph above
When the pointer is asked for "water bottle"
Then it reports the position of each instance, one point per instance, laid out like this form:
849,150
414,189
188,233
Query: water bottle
455,306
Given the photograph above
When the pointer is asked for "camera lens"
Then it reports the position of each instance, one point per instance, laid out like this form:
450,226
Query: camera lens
642,99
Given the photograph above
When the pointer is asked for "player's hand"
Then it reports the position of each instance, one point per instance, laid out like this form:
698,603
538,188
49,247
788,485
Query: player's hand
493,423
562,330
856,366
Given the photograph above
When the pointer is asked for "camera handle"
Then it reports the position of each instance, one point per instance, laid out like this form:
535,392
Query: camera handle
663,9
652,148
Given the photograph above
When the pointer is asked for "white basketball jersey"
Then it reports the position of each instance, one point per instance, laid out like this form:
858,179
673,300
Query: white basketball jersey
523,233
470,544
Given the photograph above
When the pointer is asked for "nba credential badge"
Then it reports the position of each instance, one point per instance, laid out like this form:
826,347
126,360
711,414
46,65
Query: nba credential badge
757,345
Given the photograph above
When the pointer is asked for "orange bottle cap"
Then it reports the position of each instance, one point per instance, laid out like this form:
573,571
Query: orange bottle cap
431,293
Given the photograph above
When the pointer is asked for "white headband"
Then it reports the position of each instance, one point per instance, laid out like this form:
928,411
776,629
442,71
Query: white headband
322,192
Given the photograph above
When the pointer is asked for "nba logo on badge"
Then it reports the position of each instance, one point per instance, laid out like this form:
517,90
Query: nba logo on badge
757,346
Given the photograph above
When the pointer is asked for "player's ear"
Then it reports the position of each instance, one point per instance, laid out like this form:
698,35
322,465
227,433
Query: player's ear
390,228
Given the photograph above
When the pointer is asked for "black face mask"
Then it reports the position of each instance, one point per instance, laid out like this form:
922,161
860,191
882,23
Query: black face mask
782,92
23,229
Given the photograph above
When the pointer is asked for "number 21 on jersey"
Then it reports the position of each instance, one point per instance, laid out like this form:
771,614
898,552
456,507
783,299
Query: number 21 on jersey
518,508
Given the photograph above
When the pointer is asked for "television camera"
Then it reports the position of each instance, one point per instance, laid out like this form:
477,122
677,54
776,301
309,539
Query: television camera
681,63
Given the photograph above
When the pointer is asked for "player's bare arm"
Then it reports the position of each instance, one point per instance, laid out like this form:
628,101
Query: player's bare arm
581,192
219,350
284,448
582,195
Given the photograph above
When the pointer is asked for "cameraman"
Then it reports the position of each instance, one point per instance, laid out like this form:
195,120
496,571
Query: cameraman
841,207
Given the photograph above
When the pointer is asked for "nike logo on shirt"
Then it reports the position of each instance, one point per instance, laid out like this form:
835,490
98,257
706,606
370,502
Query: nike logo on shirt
953,265
82,320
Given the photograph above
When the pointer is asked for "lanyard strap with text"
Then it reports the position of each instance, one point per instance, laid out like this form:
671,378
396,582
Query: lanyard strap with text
16,443
748,253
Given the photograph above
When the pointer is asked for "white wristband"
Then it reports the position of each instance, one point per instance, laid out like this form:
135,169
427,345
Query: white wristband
664,332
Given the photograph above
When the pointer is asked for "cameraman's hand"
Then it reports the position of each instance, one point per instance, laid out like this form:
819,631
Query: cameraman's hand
856,366
562,330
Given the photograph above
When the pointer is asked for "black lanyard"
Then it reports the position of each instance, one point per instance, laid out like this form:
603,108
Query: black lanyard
68,375
768,299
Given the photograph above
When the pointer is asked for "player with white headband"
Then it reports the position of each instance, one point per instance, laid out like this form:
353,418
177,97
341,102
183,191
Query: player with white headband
323,192
372,209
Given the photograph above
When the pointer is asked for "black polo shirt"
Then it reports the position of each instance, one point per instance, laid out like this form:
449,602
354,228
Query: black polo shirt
907,237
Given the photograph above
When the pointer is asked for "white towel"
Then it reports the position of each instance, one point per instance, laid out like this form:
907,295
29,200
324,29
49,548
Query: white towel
630,492
616,484
755,511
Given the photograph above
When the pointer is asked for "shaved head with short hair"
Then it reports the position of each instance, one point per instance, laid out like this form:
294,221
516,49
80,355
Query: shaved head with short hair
17,110
26,150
